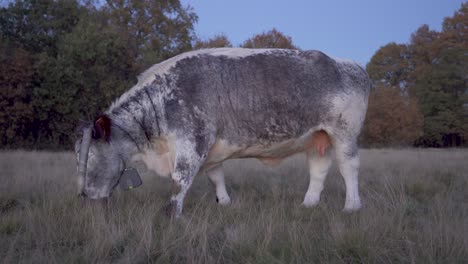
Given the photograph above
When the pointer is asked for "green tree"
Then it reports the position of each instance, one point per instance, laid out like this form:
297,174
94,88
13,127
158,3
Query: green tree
153,30
31,30
37,25
432,71
440,80
16,75
70,59
442,89
94,67
270,39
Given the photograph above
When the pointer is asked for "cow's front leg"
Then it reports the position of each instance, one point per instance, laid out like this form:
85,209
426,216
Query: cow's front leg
184,173
179,190
188,160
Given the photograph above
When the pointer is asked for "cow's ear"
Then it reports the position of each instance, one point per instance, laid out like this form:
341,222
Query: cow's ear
102,128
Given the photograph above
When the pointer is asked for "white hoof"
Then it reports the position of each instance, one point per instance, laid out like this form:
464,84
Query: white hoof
223,200
311,200
352,205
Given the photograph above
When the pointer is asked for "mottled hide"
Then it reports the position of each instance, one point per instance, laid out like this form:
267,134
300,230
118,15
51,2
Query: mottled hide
190,113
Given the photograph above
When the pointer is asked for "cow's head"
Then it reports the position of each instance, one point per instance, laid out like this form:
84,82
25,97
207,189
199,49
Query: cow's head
99,164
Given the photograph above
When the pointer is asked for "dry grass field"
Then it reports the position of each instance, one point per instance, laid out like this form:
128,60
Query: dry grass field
415,210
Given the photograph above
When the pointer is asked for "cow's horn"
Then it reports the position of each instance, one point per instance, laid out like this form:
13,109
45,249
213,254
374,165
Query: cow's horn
83,160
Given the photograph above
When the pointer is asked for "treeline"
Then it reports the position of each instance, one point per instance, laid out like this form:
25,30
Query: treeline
65,60
420,95
62,60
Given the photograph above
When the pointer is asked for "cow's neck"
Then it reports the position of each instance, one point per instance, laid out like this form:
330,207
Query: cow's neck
136,123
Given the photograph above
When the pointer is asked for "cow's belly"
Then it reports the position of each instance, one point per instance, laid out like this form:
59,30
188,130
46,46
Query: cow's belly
160,159
270,154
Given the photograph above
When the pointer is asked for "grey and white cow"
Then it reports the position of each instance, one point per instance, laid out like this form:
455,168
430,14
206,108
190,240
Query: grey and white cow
190,113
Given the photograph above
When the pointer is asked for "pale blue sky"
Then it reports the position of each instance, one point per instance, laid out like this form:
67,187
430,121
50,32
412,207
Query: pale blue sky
352,29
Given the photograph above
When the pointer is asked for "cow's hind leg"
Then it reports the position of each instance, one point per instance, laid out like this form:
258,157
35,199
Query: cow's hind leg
216,176
348,161
318,169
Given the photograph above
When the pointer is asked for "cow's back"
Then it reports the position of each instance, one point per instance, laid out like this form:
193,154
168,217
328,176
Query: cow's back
268,96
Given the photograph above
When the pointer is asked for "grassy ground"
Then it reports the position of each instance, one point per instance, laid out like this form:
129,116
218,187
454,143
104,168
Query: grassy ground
415,210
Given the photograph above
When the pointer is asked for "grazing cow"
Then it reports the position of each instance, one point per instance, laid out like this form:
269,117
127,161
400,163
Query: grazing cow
190,113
